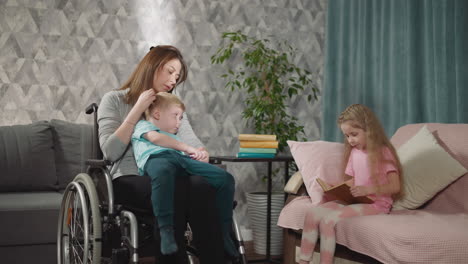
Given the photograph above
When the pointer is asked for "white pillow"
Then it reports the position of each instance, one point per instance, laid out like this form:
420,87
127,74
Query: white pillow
294,183
427,169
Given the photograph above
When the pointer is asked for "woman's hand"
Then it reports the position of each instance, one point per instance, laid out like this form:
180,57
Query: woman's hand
362,190
145,99
125,130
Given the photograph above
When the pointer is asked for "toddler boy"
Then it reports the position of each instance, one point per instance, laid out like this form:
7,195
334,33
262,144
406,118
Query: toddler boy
160,154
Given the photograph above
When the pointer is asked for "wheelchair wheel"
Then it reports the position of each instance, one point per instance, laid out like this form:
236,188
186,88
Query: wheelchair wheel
79,230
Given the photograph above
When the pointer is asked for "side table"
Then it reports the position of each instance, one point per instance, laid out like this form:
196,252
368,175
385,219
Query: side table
286,160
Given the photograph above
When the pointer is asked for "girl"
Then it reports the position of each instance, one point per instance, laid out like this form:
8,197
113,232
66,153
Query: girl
372,169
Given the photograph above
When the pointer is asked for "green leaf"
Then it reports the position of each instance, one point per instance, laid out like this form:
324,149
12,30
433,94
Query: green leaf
268,79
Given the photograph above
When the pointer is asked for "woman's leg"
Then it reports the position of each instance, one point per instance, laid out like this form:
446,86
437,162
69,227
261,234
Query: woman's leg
328,223
310,231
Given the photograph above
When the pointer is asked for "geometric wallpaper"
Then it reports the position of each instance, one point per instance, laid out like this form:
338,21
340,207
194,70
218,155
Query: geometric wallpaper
58,56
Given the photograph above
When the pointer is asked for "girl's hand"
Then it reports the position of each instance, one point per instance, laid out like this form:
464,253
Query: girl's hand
362,190
145,99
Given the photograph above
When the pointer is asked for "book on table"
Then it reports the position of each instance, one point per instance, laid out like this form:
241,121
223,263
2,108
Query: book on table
257,150
342,192
256,137
255,155
258,144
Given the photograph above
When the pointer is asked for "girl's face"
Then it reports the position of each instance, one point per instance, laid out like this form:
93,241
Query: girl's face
165,78
356,137
169,118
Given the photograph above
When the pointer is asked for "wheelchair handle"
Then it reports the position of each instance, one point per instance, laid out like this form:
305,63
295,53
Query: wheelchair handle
92,108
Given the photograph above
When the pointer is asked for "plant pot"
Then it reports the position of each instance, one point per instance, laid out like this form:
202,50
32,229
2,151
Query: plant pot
257,203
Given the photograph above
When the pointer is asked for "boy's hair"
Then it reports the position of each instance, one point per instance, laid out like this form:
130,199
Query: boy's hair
143,75
361,116
163,101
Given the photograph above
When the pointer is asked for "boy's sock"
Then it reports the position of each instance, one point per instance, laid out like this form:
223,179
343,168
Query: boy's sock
168,244
229,246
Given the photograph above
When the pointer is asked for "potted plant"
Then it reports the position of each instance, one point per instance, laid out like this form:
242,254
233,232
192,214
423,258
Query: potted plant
269,79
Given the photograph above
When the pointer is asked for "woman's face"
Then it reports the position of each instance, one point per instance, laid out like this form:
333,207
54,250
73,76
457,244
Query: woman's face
165,78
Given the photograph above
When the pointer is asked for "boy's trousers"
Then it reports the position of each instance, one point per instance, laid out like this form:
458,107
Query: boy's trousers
164,166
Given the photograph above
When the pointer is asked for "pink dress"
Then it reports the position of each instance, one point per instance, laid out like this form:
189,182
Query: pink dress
358,167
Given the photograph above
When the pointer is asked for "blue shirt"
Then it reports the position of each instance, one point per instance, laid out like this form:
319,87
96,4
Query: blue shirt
142,147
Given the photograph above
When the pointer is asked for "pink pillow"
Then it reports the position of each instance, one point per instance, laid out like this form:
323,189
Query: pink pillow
318,159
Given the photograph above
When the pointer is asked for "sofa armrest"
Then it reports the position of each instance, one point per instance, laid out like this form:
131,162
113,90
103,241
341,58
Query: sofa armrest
294,183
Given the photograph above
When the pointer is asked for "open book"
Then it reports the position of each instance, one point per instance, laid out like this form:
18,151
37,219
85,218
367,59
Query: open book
342,192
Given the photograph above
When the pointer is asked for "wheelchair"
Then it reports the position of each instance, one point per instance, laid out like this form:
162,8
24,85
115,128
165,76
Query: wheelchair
93,229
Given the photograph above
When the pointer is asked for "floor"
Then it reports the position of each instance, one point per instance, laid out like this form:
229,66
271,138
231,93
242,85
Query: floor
251,255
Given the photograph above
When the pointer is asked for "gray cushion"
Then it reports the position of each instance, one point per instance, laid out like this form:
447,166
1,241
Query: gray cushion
29,218
73,146
27,160
37,254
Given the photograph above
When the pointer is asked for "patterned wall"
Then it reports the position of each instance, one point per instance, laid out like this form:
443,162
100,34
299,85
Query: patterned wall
58,56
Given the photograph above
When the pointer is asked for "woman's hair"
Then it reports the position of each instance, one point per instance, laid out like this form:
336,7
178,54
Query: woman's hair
361,116
142,77
163,101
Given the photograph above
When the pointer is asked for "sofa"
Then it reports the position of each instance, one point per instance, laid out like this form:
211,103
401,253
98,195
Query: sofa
429,221
37,161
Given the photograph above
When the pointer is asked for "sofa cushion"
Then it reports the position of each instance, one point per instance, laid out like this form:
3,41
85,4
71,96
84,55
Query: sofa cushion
318,159
454,139
427,168
73,146
29,218
409,236
404,236
27,158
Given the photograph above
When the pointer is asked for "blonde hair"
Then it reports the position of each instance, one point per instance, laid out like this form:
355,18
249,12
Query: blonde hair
143,75
361,116
163,101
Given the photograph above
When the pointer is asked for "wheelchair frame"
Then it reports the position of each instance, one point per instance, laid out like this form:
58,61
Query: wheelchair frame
88,216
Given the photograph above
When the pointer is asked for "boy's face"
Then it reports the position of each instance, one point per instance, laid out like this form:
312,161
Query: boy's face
169,118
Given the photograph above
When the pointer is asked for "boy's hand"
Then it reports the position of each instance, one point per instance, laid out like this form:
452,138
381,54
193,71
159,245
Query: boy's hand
197,154
200,154
205,155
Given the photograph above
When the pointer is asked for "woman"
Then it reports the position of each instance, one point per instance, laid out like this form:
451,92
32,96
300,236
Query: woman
161,70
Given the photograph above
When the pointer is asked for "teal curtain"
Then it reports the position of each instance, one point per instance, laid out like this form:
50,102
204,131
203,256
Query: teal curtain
405,59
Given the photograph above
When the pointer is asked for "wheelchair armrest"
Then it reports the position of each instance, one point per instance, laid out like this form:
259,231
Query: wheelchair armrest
96,163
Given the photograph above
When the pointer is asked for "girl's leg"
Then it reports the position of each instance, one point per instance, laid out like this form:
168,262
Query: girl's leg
162,171
328,223
310,231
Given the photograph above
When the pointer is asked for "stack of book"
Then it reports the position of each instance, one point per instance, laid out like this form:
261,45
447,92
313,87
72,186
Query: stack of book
257,146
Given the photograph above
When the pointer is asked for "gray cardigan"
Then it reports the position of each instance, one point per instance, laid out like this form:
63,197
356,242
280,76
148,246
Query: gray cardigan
111,113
